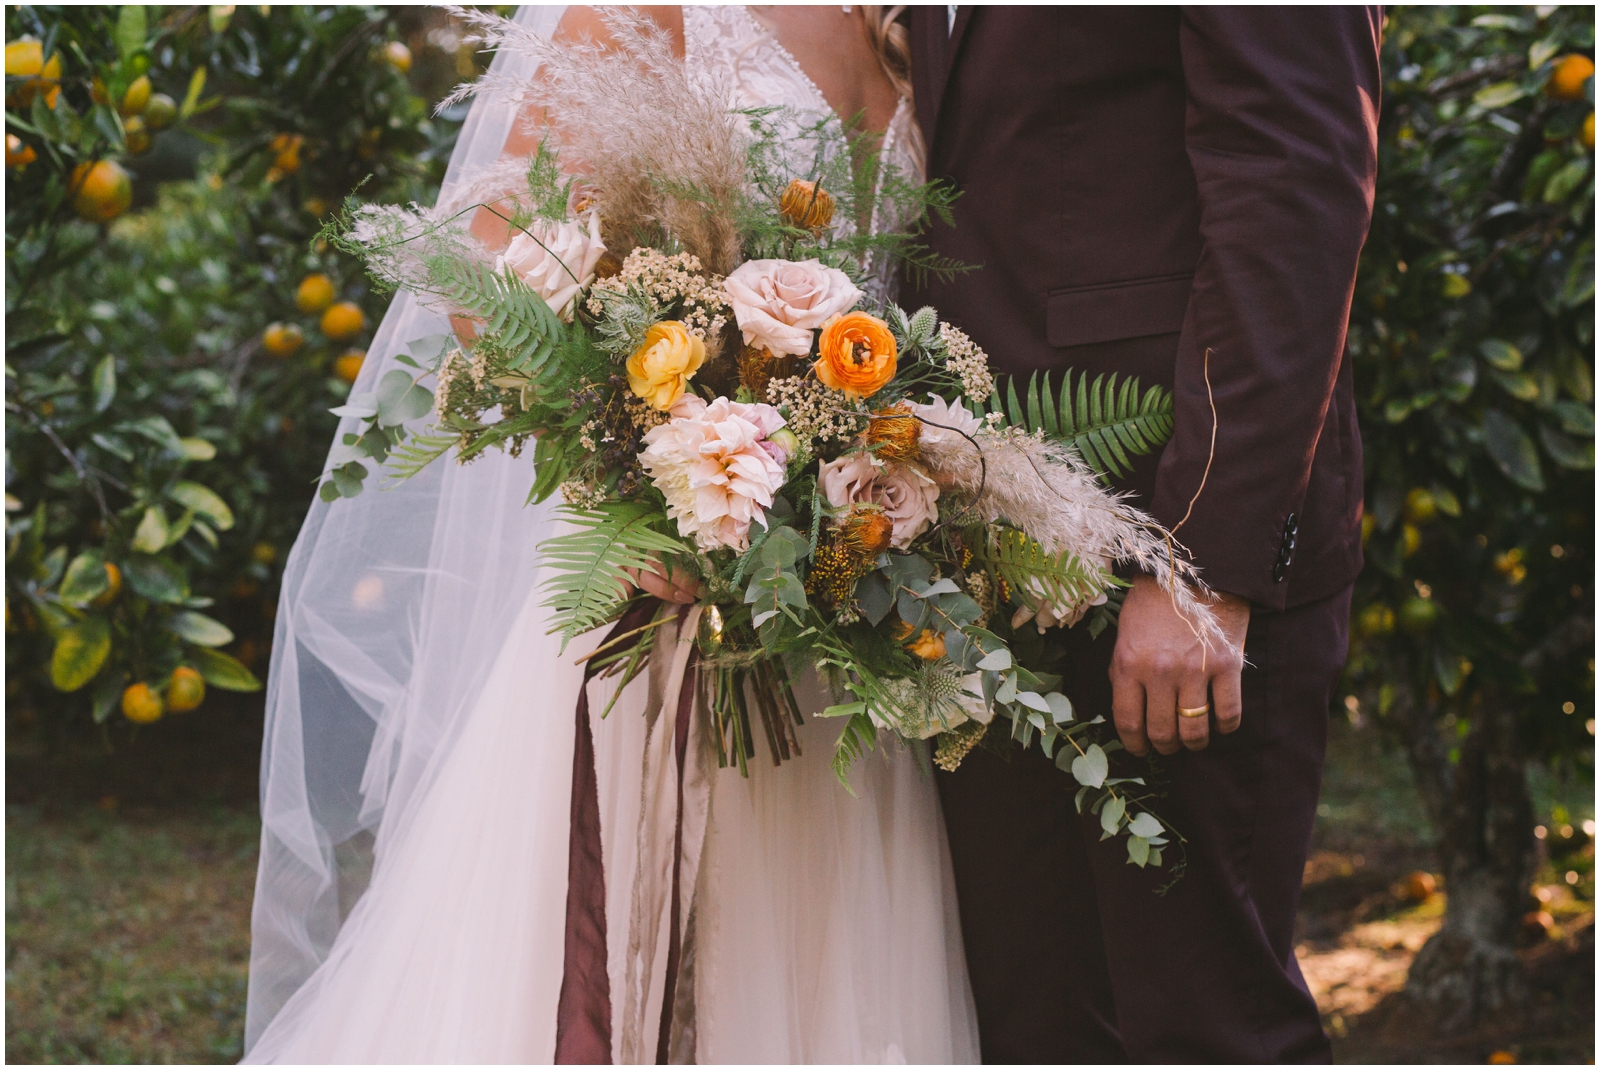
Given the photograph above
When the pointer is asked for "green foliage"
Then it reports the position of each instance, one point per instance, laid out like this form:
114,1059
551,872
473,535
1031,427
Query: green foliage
1473,347
1037,575
588,586
147,426
1106,424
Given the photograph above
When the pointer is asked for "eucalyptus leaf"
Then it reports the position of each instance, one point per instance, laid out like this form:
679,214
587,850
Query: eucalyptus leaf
1111,815
997,660
1145,824
1138,850
1090,767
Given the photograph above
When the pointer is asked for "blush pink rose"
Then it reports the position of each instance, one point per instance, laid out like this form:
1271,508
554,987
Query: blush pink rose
778,303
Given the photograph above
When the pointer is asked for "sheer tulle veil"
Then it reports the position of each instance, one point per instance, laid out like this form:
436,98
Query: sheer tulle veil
394,609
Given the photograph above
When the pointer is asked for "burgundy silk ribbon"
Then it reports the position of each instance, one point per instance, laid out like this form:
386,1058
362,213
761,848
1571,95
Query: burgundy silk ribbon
583,1013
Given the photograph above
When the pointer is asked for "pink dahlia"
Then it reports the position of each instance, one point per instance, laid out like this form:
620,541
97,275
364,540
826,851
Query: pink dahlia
716,468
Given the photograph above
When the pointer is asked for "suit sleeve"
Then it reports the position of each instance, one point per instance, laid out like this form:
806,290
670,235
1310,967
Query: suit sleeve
1281,131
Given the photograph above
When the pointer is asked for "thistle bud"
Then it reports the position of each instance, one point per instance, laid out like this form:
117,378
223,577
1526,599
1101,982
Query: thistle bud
805,204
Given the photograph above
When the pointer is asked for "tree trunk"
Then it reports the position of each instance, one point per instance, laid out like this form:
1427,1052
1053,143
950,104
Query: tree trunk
1484,817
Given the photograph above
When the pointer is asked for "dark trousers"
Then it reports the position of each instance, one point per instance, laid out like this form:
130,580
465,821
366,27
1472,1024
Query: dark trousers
1073,955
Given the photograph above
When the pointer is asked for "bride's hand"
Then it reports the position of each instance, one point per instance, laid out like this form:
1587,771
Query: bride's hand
670,586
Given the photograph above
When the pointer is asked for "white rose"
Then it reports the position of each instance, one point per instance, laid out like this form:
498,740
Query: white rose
778,303
556,260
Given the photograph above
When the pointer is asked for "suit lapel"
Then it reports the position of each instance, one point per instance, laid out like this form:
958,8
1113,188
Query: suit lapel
945,42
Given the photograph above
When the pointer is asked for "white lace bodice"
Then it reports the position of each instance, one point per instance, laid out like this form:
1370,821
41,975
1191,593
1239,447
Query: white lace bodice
729,44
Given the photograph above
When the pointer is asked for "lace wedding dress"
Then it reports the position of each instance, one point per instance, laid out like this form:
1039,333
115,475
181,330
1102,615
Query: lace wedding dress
824,925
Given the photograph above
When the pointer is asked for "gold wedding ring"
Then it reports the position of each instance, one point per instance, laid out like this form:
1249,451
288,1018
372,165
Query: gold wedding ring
1194,711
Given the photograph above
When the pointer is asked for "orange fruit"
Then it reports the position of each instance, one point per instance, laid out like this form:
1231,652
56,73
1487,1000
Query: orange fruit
316,292
1369,524
19,154
136,134
263,553
113,587
348,366
282,339
344,320
1376,619
1566,81
397,56
1586,132
1420,886
25,57
186,690
1501,1058
141,705
137,96
161,112
286,150
316,206
102,190
1420,507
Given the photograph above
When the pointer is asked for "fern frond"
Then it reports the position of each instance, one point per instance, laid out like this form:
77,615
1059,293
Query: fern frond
857,740
515,318
1039,576
417,452
587,582
1106,421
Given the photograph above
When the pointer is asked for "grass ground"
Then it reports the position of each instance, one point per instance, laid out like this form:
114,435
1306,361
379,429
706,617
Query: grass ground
129,876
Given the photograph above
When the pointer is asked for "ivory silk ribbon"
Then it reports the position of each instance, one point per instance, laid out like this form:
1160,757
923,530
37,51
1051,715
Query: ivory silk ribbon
657,1021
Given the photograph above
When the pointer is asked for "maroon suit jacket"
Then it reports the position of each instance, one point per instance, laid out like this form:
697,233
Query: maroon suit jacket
1142,184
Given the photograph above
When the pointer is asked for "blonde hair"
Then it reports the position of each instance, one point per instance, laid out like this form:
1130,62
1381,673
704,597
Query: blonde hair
891,41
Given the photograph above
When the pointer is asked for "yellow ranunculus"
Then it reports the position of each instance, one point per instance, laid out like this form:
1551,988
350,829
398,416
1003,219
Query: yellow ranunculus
661,368
929,645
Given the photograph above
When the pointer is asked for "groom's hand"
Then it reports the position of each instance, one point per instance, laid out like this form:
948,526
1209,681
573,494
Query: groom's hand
1159,665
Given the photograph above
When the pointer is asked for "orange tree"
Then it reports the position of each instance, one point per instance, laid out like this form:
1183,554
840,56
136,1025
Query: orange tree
169,368
1472,340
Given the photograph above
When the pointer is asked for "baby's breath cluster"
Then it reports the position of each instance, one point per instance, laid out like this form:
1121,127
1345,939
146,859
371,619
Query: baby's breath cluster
814,412
675,280
968,362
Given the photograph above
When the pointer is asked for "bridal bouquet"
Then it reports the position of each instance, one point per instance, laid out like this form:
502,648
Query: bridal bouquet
692,335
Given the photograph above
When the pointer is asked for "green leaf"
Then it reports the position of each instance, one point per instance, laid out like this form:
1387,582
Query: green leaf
222,671
1111,815
105,383
198,449
1575,419
103,700
203,500
1138,850
1498,95
1511,448
200,629
1090,767
1145,824
586,584
191,99
86,579
1501,354
157,579
132,29
1566,181
401,398
1565,450
151,535
80,652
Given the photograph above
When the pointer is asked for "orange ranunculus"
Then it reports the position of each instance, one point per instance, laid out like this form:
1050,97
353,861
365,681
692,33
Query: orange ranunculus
856,355
661,368
929,646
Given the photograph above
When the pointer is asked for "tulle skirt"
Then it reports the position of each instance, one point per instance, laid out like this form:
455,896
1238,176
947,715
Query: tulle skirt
825,925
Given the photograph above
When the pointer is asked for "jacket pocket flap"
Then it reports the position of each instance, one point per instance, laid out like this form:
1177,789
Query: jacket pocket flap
1086,315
